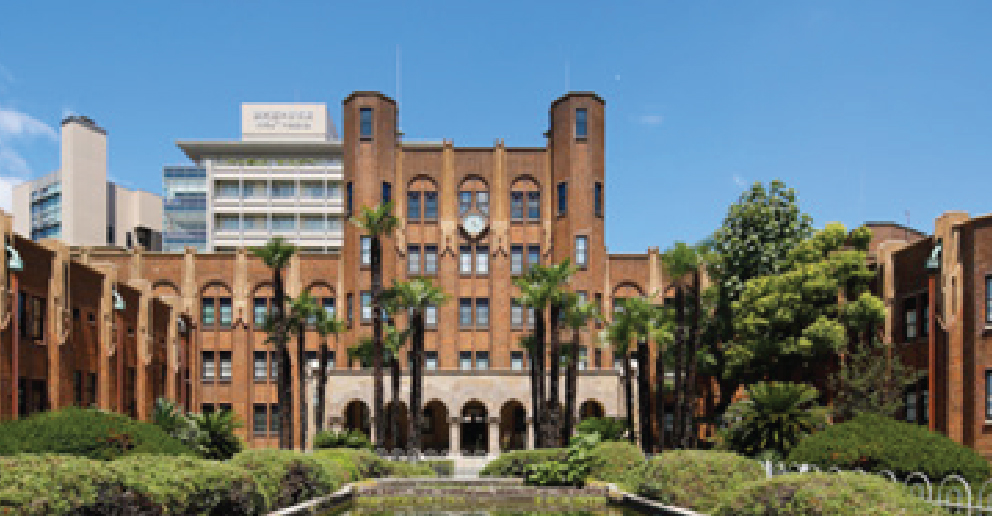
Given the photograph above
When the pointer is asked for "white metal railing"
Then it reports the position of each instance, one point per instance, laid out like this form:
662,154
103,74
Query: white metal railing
953,493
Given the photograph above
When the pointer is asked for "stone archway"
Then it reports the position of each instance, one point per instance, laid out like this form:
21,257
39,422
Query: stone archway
590,408
358,417
512,426
435,433
474,428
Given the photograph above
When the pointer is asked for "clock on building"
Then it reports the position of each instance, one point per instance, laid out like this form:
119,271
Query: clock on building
474,224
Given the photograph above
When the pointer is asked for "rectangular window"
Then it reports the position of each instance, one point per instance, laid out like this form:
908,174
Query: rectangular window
329,306
331,359
365,122
227,222
911,406
283,189
430,205
207,310
313,362
516,205
482,312
366,251
909,309
413,205
206,408
533,256
482,202
516,259
583,358
284,223
430,316
598,358
464,202
516,314
482,360
225,311
482,259
349,201
581,251
465,259
255,223
273,365
255,189
581,123
273,418
227,189
988,395
312,223
387,192
465,312
430,259
261,311
925,316
598,199
312,189
208,366
225,365
350,302
534,205
924,405
465,360
334,191
259,418
430,360
261,365
366,306
517,360
562,199
988,299
413,259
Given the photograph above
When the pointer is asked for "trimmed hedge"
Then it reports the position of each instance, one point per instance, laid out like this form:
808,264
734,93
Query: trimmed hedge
86,432
822,494
365,463
875,443
514,463
50,484
287,478
616,462
695,479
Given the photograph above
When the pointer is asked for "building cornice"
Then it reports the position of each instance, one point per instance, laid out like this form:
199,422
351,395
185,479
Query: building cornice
198,150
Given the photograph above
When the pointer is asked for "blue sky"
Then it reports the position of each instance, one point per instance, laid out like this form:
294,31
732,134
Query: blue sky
868,109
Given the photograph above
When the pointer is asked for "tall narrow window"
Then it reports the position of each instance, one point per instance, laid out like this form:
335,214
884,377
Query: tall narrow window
430,205
312,361
430,259
988,299
225,311
533,256
562,199
988,395
261,311
516,314
482,202
365,121
366,243
465,312
465,259
482,312
534,205
598,358
909,311
350,302
413,259
366,306
273,418
329,306
225,365
208,314
516,205
349,198
413,205
924,405
259,418
482,259
273,365
465,360
516,259
430,316
925,316
583,358
208,366
482,360
430,360
261,365
581,123
597,199
387,192
581,251
464,202
517,360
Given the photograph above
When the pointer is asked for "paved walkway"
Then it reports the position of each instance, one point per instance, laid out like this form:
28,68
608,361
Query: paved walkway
469,467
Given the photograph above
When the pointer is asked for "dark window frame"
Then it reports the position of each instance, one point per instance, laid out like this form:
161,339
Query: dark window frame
581,123
562,198
366,125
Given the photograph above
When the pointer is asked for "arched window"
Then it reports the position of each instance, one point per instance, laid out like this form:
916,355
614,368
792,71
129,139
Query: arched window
421,200
525,200
473,195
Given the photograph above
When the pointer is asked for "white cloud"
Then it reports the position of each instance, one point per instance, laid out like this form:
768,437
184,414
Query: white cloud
15,124
740,181
7,185
650,119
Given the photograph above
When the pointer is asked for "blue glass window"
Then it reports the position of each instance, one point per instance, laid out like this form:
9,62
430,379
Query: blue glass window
430,205
562,199
365,121
534,205
581,123
413,205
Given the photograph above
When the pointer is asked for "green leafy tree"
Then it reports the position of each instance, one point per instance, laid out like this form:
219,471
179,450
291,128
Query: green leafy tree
276,254
871,381
773,419
416,296
608,428
377,222
325,325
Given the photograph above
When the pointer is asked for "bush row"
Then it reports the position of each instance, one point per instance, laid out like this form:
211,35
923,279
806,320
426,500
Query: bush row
254,482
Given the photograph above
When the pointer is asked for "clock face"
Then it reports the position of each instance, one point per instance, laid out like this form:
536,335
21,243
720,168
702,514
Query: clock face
474,224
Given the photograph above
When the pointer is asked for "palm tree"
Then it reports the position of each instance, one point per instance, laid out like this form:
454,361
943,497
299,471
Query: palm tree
276,254
392,342
377,222
415,295
679,261
774,417
326,325
576,316
303,312
617,335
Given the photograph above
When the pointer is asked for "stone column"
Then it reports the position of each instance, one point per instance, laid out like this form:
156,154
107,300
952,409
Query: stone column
454,435
530,433
494,436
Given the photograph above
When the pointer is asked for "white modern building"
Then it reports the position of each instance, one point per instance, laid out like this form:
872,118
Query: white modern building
282,178
76,204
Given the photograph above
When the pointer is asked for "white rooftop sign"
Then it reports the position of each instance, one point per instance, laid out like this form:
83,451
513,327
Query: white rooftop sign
286,121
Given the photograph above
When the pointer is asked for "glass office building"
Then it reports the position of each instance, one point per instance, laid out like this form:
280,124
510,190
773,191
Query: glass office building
185,208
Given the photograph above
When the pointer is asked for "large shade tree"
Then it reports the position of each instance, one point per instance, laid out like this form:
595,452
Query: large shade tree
377,222
276,254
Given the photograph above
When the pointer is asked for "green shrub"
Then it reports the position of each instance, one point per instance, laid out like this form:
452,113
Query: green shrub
573,471
344,439
215,437
772,419
86,432
50,484
286,477
514,463
409,469
615,462
821,494
608,428
442,468
695,479
366,463
875,443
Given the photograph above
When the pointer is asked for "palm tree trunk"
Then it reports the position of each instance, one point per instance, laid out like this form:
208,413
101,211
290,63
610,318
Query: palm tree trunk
377,347
394,413
321,386
554,405
628,398
285,385
571,387
678,433
537,372
644,394
301,380
660,401
693,438
416,379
